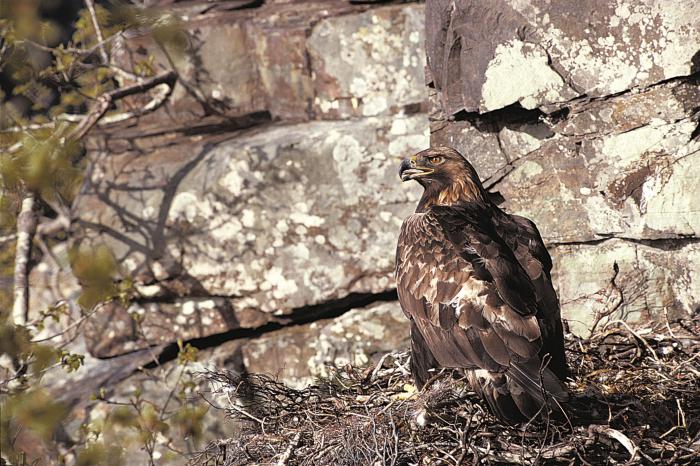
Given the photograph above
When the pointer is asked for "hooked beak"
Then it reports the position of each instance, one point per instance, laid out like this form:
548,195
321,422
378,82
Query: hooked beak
411,170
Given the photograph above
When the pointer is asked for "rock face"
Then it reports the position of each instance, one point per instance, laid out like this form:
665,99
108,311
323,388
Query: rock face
590,129
488,55
268,185
257,226
257,211
263,199
358,337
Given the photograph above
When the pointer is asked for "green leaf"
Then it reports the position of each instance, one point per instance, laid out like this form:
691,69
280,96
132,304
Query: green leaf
96,270
71,361
187,354
37,411
100,454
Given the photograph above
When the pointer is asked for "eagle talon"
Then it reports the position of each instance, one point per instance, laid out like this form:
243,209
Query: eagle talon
409,393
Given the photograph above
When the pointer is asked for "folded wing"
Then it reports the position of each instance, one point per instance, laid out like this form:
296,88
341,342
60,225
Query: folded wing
474,306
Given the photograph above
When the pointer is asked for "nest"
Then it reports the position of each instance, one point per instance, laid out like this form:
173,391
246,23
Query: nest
635,400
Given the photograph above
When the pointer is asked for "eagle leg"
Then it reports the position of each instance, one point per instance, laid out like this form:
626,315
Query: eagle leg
422,360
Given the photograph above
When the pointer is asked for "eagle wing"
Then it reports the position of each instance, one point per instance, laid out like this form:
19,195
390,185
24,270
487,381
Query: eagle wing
524,239
470,301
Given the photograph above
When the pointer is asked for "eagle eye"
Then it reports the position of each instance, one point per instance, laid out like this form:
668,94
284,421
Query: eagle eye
437,160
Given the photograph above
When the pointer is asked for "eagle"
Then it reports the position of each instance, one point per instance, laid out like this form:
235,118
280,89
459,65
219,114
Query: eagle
475,283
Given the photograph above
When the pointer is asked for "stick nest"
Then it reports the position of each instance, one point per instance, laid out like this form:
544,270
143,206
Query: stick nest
635,400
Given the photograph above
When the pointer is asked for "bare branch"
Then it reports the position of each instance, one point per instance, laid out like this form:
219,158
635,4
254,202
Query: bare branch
162,92
610,310
60,223
617,435
72,325
105,100
98,32
78,51
26,229
8,238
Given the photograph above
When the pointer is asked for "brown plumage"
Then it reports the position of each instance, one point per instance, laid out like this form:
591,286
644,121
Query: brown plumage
475,283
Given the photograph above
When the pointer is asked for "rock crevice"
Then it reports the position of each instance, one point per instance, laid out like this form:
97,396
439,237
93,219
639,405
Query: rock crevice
297,317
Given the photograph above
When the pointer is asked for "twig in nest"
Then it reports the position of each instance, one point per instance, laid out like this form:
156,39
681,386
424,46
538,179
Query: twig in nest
616,435
635,335
232,405
600,315
379,365
288,452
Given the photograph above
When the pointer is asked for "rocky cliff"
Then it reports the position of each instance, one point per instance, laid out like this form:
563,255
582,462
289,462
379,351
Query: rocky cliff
261,205
584,118
259,209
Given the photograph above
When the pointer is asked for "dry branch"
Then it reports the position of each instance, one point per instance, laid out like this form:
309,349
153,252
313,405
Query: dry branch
98,31
163,84
56,225
610,310
103,102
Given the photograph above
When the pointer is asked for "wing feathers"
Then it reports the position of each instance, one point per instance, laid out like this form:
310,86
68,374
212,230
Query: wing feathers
518,346
422,359
469,227
494,346
473,297
448,316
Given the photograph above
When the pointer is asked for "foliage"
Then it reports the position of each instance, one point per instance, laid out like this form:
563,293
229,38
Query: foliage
96,270
35,410
50,82
156,426
45,164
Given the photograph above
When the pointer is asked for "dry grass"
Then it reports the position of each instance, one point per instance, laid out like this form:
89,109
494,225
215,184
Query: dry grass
636,400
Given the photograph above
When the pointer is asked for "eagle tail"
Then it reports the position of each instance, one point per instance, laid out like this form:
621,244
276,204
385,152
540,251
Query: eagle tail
520,393
493,387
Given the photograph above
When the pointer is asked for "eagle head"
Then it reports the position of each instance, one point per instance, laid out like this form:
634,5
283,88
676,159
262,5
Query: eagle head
447,177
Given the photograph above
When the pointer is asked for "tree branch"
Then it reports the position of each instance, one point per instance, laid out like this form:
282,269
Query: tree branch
98,32
26,228
77,323
165,81
8,238
105,100
58,224
27,219
78,51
